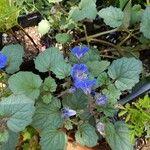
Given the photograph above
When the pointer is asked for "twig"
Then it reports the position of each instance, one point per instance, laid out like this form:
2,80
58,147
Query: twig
96,35
118,48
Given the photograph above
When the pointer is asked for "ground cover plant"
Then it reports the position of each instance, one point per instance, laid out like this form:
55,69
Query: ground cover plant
93,63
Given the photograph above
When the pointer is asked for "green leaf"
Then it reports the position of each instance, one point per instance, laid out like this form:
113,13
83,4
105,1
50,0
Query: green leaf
145,23
136,14
112,16
17,111
76,101
123,3
82,11
43,27
49,84
117,136
48,114
127,15
4,135
47,98
62,70
63,38
11,143
125,72
9,15
25,83
97,67
14,54
68,125
112,93
48,60
103,79
86,135
108,110
53,138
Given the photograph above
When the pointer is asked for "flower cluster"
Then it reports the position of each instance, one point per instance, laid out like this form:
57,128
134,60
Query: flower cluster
3,60
80,72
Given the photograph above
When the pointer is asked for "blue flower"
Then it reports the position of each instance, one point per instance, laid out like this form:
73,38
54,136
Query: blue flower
101,99
3,60
79,51
85,85
79,72
68,113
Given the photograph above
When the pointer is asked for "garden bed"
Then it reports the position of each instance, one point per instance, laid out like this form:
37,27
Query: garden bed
75,75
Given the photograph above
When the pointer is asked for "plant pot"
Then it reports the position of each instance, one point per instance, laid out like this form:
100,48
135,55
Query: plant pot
73,146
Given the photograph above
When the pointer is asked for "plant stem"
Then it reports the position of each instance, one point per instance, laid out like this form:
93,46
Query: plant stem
97,35
118,48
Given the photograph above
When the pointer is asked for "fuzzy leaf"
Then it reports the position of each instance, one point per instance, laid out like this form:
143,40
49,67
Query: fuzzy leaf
125,72
53,138
11,143
136,14
49,84
86,135
85,10
97,67
112,93
75,101
48,114
112,16
145,23
62,70
18,111
14,54
117,136
43,27
48,60
4,135
25,83
63,38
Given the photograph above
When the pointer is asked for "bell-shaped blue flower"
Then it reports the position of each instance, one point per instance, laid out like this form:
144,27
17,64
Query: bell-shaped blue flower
3,60
79,72
79,51
68,113
85,85
101,99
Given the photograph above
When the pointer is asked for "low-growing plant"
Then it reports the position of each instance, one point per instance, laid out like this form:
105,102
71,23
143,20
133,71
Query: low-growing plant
138,117
79,95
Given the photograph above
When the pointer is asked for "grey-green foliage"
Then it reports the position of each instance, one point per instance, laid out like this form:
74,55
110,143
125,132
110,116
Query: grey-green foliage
86,135
97,67
52,60
52,138
125,72
85,10
48,115
17,111
112,16
117,136
63,38
15,55
76,101
11,143
136,14
145,23
26,83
